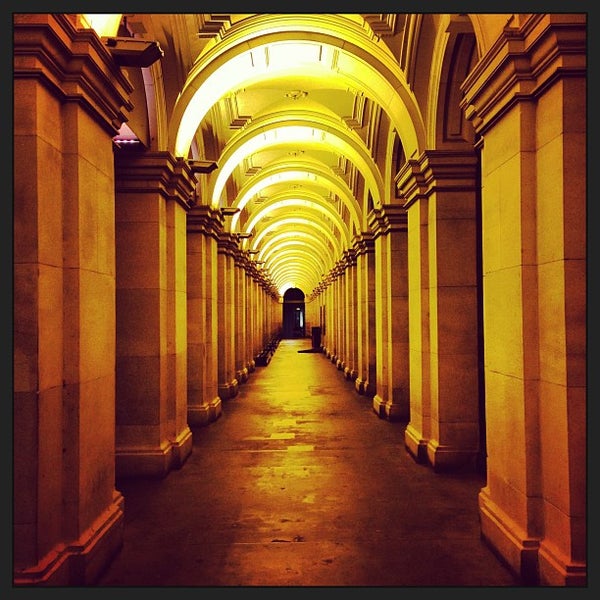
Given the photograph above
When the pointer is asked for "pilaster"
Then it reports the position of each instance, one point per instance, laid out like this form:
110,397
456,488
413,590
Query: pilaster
350,371
365,382
389,227
204,225
240,262
154,193
527,101
65,528
227,380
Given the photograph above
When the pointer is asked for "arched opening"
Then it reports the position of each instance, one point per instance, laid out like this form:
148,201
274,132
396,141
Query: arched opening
293,314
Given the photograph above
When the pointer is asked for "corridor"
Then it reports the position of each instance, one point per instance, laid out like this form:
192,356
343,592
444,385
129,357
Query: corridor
299,483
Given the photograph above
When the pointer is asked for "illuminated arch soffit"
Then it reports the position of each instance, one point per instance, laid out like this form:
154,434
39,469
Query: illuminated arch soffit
312,59
294,135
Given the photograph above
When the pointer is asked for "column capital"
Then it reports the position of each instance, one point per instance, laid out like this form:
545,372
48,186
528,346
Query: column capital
73,64
387,218
350,257
526,59
227,244
363,243
155,172
206,220
437,171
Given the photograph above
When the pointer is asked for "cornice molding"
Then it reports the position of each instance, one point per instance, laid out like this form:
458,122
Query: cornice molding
155,172
73,64
522,64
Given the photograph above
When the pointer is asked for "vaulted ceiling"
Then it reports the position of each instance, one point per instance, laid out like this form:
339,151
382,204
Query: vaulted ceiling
300,117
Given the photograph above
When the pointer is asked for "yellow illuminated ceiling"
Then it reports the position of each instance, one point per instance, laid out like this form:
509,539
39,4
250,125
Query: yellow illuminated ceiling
293,109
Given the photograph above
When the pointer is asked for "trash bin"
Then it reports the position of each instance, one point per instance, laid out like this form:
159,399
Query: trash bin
316,337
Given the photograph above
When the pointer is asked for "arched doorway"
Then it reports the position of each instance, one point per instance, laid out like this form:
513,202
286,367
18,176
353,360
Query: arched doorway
293,314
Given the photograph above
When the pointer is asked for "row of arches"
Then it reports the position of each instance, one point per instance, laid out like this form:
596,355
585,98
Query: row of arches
402,179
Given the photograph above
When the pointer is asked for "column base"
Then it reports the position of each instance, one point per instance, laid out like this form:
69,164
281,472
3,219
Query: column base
448,458
559,571
228,390
84,561
350,374
389,410
157,462
203,414
415,444
181,448
517,551
379,406
364,388
242,375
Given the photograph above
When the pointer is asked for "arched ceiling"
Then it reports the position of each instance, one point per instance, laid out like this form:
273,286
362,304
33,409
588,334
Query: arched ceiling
289,107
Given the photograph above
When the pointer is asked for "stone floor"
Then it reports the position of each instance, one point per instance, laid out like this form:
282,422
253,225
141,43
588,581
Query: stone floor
299,483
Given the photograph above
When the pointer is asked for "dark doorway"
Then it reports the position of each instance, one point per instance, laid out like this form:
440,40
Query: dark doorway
293,314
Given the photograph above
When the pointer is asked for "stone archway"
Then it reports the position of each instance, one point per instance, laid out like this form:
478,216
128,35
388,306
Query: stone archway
293,317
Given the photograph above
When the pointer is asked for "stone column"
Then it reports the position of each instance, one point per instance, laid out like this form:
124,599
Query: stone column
251,309
153,197
418,430
239,314
325,295
340,309
227,380
350,370
330,315
259,314
527,101
204,226
389,225
347,300
367,356
67,515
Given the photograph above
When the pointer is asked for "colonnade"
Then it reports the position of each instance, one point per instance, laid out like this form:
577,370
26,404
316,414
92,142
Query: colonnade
461,308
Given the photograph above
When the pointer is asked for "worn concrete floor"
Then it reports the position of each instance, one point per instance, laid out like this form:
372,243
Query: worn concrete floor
299,483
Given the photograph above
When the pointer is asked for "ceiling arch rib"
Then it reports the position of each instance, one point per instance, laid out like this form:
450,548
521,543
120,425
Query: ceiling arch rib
303,245
288,278
312,49
303,249
303,265
289,228
323,260
337,175
298,171
317,206
294,133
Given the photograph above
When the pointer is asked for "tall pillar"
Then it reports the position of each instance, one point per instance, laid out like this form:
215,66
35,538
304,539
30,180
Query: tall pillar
240,301
203,228
227,380
527,101
340,313
347,302
251,308
449,180
350,370
418,430
67,515
153,197
389,226
328,311
367,353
